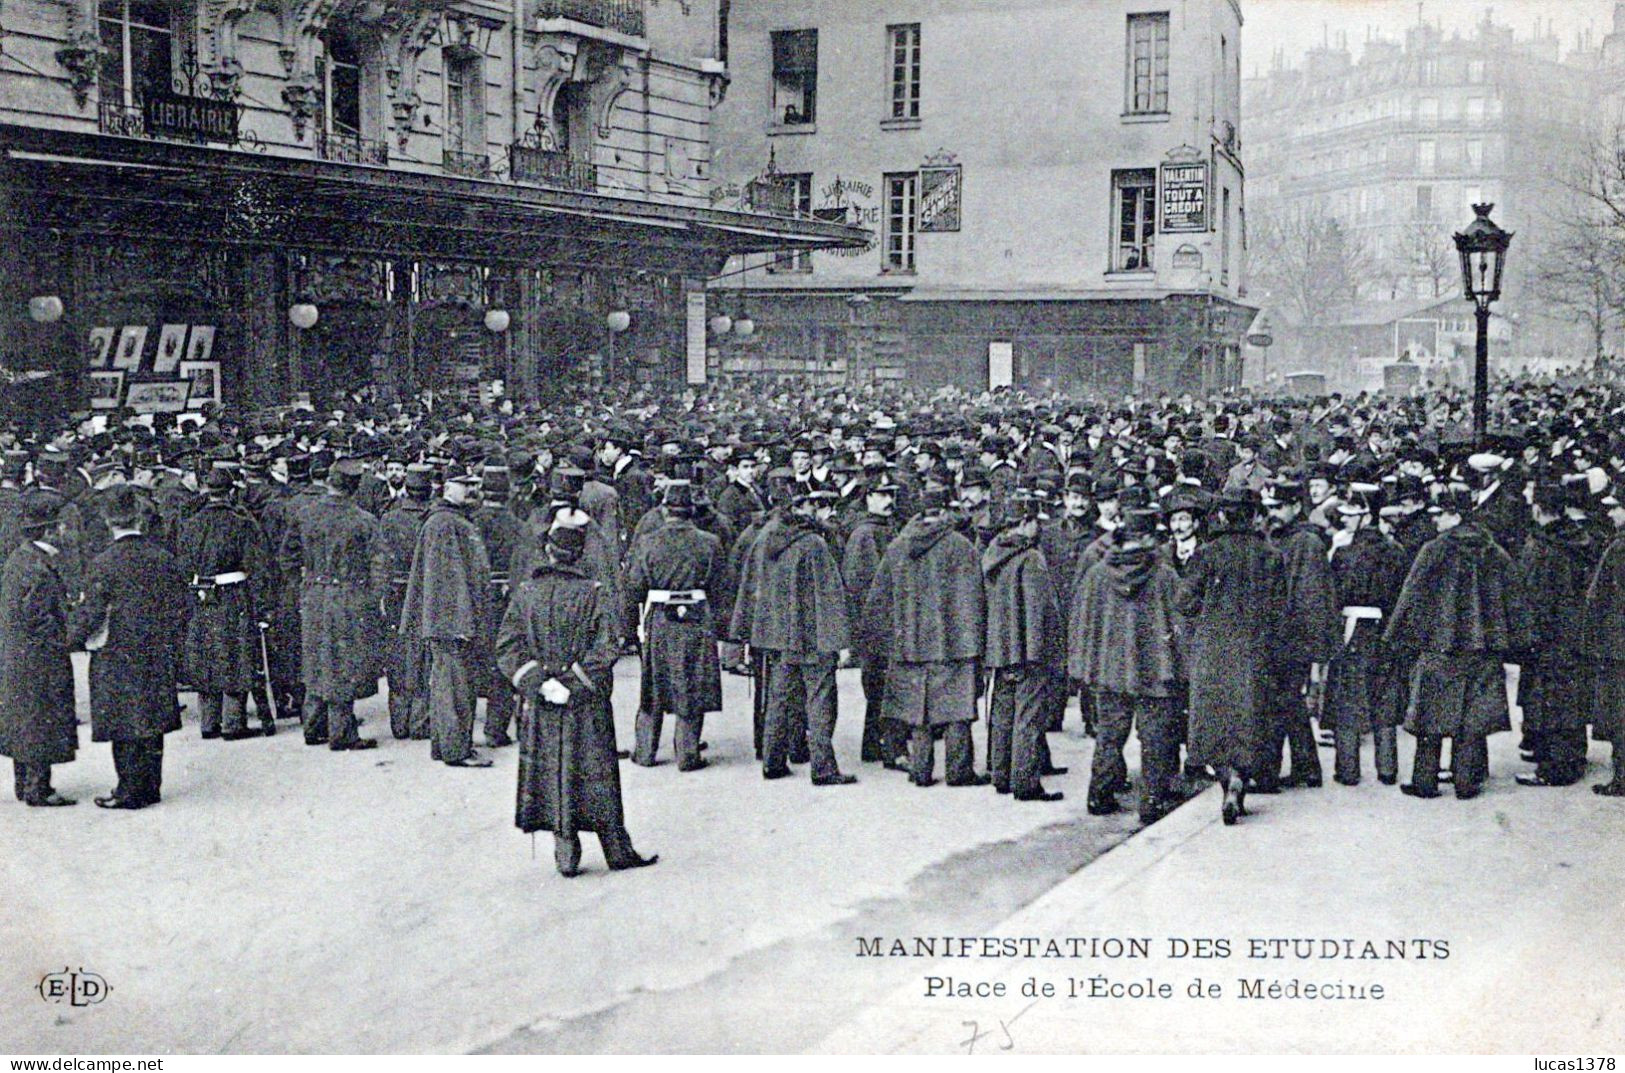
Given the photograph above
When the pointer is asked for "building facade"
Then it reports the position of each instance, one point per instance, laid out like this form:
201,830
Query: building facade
1397,144
1054,189
287,197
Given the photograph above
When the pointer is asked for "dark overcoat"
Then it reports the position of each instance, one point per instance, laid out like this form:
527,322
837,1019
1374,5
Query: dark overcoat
136,592
447,592
400,529
569,779
343,589
1604,642
791,598
37,721
1556,682
1023,616
222,637
1310,630
1125,635
1232,594
1459,614
1365,684
861,558
681,672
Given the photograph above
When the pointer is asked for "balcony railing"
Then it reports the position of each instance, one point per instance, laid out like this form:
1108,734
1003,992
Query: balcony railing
546,167
123,119
467,165
350,149
622,16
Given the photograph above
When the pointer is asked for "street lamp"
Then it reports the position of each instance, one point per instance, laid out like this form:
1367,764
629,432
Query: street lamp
1483,250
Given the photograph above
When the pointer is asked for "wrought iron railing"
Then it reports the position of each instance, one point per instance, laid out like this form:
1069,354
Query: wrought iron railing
348,148
468,165
623,16
123,119
547,167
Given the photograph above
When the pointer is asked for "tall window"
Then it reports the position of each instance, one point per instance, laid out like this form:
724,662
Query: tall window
1475,155
1475,70
795,76
1134,207
570,120
902,194
1427,155
905,70
1475,109
1427,110
465,102
339,74
798,192
1148,62
1424,201
137,42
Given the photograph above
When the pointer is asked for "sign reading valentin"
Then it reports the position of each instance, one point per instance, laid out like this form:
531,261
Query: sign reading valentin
1184,197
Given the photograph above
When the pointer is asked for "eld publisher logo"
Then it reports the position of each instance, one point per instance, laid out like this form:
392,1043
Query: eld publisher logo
79,988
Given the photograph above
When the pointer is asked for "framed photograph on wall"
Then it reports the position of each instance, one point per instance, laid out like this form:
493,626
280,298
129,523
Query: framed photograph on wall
101,346
205,378
171,341
200,345
132,340
106,389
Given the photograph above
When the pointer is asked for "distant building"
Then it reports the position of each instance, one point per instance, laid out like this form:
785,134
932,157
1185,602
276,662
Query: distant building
1055,188
1401,142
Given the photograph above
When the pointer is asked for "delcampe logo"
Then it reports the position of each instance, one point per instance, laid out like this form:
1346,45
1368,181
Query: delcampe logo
78,988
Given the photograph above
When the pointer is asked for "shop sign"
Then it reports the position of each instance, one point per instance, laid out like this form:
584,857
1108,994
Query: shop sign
158,396
1184,197
940,201
181,116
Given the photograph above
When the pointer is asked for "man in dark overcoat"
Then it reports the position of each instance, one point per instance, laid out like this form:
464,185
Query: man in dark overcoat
344,584
408,707
38,727
1604,643
132,620
1125,647
885,741
557,644
673,578
501,530
223,552
1024,651
1232,596
1459,615
1555,683
926,614
447,607
792,608
1308,637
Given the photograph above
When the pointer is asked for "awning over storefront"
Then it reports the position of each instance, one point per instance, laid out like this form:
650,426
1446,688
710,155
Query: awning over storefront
141,188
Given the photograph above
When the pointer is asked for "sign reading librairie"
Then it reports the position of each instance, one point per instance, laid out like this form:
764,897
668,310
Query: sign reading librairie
190,117
1184,197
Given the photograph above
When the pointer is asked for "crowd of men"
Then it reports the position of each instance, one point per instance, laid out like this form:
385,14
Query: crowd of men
1215,575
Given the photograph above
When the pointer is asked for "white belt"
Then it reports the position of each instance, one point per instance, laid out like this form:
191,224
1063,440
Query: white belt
676,596
1352,616
234,577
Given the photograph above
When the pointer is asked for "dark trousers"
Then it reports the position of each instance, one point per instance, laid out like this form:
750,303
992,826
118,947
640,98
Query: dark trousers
801,709
500,709
1289,726
139,763
451,701
616,844
758,697
1158,721
223,712
332,721
1347,741
959,755
883,739
1018,716
685,738
32,781
1561,754
408,714
1470,761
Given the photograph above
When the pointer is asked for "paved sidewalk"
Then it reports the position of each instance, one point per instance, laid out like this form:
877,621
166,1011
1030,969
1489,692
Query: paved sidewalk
1522,884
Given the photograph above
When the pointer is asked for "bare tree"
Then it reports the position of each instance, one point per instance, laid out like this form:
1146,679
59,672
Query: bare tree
1431,252
1312,266
1583,272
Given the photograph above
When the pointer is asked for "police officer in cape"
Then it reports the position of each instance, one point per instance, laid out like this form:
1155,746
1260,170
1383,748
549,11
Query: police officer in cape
557,645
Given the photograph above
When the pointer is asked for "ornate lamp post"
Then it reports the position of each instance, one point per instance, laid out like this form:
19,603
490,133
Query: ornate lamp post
1483,250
